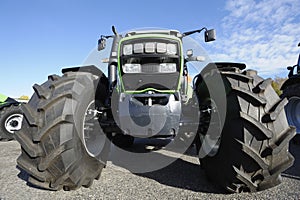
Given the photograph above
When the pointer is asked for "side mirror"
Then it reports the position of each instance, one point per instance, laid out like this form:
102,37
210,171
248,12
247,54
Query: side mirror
105,60
210,35
101,44
195,58
290,68
189,52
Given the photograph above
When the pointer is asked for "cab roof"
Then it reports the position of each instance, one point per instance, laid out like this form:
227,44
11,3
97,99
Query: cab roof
154,31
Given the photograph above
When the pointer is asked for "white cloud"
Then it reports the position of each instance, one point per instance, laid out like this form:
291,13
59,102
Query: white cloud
263,34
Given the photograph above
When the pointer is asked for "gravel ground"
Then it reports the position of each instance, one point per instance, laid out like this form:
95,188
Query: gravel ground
183,179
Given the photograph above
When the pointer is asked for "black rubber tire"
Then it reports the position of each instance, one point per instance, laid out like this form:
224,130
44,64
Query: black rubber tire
254,141
290,92
5,114
123,141
55,153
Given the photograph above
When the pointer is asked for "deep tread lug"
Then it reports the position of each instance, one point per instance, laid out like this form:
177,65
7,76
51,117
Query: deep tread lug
284,139
44,185
46,161
41,92
54,77
253,154
47,104
262,86
58,120
273,113
29,167
256,100
250,72
237,76
244,177
29,114
267,133
33,149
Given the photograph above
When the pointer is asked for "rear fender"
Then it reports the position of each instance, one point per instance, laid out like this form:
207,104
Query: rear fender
90,69
291,81
2,105
9,102
102,91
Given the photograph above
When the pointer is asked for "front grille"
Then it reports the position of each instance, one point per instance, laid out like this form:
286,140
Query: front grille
150,68
157,81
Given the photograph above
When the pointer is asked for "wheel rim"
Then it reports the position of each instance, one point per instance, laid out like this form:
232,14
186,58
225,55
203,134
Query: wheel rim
211,136
93,136
13,123
293,112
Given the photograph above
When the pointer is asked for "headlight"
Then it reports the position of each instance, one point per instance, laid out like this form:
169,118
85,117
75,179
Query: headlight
171,49
132,68
127,49
167,68
161,47
138,48
150,47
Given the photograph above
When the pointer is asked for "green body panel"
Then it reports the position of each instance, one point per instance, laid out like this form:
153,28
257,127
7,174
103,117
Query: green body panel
149,89
149,36
3,98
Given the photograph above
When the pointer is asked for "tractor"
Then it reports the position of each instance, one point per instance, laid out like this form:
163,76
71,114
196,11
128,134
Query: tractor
233,117
11,117
291,91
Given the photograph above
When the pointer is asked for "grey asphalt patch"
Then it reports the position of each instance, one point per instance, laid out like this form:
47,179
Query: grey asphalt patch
183,179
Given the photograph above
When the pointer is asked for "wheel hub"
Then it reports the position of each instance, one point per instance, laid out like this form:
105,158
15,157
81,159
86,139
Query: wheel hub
211,130
93,136
13,123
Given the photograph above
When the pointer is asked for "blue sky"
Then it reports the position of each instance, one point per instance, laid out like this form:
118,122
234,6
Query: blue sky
39,37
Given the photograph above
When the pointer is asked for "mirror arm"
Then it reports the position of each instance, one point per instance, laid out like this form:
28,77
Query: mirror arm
195,58
106,36
192,32
102,41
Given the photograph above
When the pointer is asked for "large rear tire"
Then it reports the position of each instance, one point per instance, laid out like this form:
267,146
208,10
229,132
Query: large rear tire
11,118
292,109
123,141
253,147
63,145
